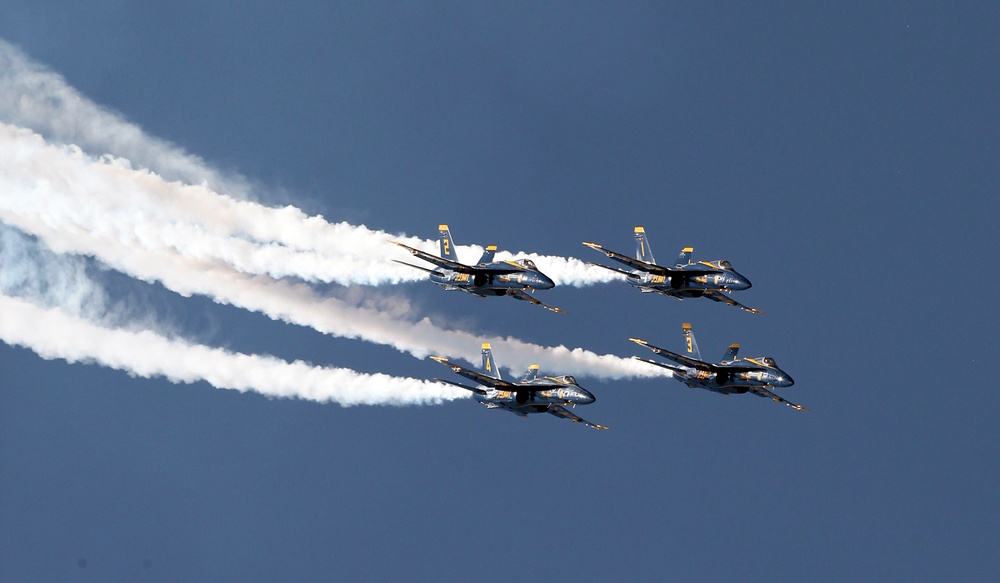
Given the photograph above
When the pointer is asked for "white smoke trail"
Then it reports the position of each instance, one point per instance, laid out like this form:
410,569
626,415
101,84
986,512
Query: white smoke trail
254,238
50,305
52,334
48,191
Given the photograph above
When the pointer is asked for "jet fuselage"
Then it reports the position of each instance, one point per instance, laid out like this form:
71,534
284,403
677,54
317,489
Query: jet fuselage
680,285
543,392
735,382
494,278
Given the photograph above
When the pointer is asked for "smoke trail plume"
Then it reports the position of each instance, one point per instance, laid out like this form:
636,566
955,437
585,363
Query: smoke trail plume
50,305
77,204
52,334
193,240
254,238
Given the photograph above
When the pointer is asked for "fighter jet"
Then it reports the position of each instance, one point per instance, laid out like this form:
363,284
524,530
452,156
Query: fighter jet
731,375
686,279
486,277
531,394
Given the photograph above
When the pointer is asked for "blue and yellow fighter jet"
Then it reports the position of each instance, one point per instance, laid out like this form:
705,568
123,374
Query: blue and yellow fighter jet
485,278
730,376
528,395
686,279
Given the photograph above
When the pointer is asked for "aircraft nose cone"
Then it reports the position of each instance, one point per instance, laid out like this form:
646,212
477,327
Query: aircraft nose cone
544,282
742,284
586,397
786,380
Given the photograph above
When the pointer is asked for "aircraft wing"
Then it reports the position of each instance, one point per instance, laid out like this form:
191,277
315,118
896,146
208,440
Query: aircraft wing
633,263
678,358
649,267
560,411
519,294
718,296
762,392
439,261
476,376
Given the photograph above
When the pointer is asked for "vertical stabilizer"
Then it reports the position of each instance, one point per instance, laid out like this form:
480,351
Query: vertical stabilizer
685,256
447,245
488,255
731,353
690,344
489,365
531,374
642,250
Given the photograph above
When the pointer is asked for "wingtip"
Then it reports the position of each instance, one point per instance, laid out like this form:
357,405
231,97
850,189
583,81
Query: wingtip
592,245
438,358
639,341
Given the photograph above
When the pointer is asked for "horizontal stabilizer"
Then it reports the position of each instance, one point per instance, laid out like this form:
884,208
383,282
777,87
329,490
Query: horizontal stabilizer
461,386
615,269
430,271
660,364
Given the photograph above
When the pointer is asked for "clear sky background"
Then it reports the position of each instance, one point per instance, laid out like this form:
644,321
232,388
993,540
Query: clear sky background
844,158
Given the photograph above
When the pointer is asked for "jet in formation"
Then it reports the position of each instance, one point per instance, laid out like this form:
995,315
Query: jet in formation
485,278
685,279
531,394
730,376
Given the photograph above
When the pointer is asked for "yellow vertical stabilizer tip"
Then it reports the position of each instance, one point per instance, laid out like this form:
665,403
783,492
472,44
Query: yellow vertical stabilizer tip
443,227
486,345
639,230
686,326
689,250
734,345
533,367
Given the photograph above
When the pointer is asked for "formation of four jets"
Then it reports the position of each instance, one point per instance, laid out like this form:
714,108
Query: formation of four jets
685,279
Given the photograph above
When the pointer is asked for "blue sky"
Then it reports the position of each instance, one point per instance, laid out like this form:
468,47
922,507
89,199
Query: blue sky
843,158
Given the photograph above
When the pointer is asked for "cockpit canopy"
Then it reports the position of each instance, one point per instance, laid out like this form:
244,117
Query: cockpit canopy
526,263
726,265
567,379
769,361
